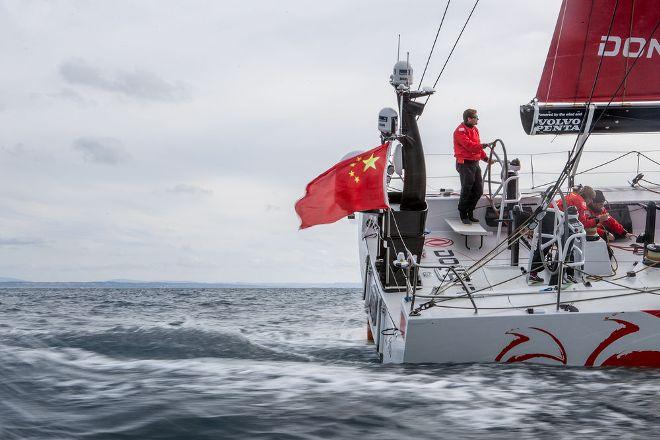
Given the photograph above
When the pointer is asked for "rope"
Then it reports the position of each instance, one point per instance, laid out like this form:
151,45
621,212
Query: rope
600,61
648,181
377,231
434,41
648,189
652,292
550,194
625,77
554,61
606,163
543,153
576,154
452,50
635,291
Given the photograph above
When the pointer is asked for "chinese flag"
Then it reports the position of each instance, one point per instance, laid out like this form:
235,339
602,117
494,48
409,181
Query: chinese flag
354,184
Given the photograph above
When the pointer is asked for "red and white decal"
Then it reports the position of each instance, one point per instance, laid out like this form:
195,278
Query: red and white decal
521,338
438,242
616,350
632,358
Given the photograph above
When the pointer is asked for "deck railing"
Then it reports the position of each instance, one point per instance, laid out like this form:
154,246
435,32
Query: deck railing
638,161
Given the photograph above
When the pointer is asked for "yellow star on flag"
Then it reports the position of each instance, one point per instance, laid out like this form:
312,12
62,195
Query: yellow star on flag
370,163
352,173
357,179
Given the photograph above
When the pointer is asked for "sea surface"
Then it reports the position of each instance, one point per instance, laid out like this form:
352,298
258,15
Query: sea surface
274,363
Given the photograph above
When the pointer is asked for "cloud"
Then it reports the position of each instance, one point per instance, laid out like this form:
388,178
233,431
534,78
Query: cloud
69,94
17,150
106,151
137,84
183,188
21,241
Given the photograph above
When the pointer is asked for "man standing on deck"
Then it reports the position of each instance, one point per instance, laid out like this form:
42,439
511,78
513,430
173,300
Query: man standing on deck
468,151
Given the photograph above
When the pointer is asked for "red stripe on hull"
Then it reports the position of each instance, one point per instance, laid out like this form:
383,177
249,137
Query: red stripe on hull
649,359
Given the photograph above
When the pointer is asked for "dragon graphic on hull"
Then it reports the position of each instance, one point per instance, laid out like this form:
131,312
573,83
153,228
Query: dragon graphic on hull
623,358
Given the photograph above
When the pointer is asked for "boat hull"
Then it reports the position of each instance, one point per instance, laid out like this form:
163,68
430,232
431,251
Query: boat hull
630,339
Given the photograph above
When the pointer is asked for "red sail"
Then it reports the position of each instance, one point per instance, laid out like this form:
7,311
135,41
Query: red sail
581,39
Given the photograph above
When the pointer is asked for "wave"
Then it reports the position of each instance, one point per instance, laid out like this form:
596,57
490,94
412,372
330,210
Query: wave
156,343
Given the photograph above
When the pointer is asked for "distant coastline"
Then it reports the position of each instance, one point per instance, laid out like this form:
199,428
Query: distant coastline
6,283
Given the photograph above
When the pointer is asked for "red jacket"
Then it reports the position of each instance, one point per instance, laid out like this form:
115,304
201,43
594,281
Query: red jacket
609,225
574,199
467,145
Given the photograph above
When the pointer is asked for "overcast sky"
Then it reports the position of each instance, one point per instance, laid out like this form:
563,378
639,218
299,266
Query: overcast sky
169,140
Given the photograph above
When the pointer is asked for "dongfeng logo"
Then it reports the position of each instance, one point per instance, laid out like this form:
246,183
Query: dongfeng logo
632,47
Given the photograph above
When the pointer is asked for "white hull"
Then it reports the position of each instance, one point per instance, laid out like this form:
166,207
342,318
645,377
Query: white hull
611,325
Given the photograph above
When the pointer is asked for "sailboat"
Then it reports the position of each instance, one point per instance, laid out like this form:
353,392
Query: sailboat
439,291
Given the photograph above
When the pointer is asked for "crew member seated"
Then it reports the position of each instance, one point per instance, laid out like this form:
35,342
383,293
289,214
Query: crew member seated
581,197
607,226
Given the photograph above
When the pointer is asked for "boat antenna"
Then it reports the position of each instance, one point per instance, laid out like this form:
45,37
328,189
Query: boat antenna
398,47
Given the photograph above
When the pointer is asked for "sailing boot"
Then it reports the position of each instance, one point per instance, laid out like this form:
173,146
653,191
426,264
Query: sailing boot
470,217
534,278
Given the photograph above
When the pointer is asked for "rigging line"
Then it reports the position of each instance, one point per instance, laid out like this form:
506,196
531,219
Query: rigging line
648,158
455,44
367,274
543,153
549,195
623,81
515,236
648,181
636,291
574,155
606,163
648,189
600,61
452,50
405,275
652,265
652,292
488,287
401,237
554,61
434,41
380,237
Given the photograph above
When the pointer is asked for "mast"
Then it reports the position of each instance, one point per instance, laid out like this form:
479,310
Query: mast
413,197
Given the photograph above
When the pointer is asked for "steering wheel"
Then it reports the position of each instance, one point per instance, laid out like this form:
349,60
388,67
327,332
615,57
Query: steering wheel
502,164
550,256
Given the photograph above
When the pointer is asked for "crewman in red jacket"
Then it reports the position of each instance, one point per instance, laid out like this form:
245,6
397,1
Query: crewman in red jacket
468,151
581,197
607,226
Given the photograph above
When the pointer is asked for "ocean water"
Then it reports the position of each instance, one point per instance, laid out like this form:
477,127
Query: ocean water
274,363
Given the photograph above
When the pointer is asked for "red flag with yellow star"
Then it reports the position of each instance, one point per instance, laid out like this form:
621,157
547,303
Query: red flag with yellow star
354,184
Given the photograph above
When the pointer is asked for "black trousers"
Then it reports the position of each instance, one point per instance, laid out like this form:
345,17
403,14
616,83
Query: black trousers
472,185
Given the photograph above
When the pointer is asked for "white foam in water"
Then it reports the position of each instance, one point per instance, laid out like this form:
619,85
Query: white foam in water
109,363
